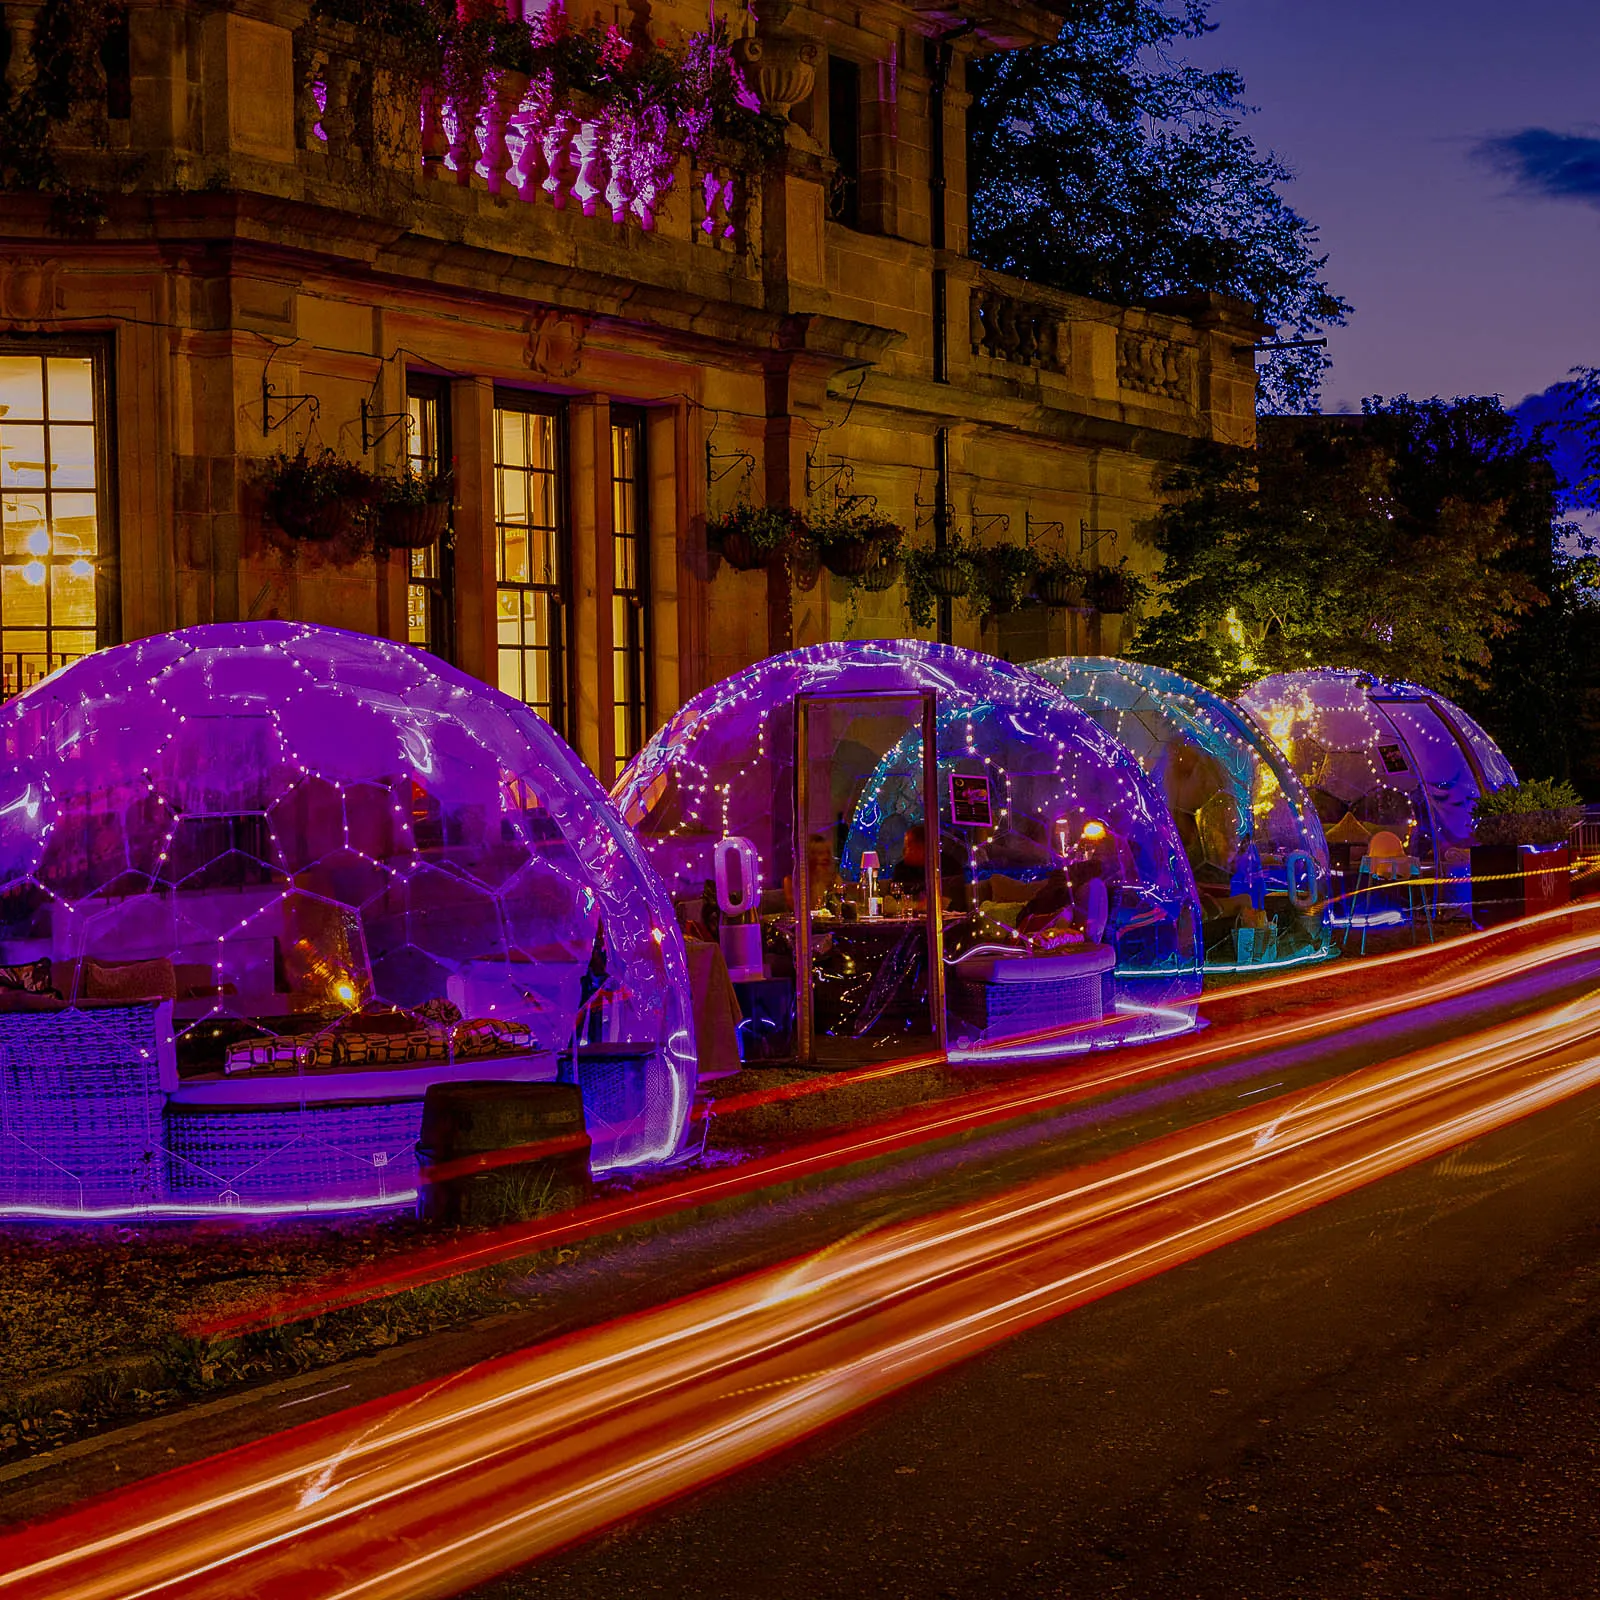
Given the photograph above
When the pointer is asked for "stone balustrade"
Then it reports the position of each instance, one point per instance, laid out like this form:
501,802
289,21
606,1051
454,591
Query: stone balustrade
506,138
1149,364
1011,328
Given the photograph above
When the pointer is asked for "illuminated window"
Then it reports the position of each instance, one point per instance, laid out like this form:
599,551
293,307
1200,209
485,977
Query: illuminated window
55,556
530,557
431,580
630,589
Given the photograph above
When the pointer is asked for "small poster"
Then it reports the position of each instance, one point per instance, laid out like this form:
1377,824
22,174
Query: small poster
970,805
1394,759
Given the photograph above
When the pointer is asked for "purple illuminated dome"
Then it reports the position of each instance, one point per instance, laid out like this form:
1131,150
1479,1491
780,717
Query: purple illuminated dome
1382,755
1065,890
262,883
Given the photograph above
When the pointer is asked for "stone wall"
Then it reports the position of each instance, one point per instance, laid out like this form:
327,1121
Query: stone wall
274,257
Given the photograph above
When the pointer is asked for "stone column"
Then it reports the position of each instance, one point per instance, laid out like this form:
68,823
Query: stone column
668,568
589,583
472,436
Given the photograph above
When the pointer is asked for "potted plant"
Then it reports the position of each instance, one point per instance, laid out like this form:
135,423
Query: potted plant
1113,589
853,543
413,509
319,498
1520,859
750,537
932,575
1003,578
1061,583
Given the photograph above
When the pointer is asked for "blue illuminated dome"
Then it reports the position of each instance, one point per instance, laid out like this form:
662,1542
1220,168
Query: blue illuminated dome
261,884
1040,813
1250,831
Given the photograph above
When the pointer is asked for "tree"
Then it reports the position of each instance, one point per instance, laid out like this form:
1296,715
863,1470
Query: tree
1416,541
1104,165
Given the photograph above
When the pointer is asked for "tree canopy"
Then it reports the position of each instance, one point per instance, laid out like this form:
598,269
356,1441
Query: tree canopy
1422,540
1105,165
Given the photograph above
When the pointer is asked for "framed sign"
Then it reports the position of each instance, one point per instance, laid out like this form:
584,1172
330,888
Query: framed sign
1393,757
970,803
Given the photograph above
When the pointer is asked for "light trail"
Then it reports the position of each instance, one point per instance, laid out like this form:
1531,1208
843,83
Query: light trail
1467,965
429,1491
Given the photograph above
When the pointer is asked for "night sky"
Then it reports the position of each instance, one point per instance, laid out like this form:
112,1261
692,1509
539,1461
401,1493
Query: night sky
1449,150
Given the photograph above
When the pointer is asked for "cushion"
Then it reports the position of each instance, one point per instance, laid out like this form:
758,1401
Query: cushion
28,977
130,980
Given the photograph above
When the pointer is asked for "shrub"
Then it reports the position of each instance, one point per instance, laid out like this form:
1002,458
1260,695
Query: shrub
1542,811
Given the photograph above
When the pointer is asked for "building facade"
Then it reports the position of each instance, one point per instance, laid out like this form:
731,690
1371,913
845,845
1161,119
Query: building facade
303,243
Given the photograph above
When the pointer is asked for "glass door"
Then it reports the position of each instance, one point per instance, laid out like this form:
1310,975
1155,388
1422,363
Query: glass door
867,898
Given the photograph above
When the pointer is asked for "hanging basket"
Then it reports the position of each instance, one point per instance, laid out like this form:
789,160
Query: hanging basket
413,527
944,575
882,576
1110,592
805,566
317,520
1060,589
851,557
739,551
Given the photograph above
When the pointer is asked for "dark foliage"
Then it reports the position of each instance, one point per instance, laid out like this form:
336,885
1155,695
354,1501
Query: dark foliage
1105,165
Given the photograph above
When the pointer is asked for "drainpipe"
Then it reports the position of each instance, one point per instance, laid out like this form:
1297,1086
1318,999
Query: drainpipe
941,53
941,521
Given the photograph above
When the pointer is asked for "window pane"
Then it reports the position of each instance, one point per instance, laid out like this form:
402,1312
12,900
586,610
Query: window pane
23,595
24,525
73,525
511,673
422,443
72,457
71,389
72,595
21,389
50,532
512,493
21,456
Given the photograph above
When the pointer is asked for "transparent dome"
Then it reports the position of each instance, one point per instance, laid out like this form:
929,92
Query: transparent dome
283,877
1250,831
1035,804
1380,753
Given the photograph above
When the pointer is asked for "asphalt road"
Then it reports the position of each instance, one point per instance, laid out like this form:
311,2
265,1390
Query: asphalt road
1397,1395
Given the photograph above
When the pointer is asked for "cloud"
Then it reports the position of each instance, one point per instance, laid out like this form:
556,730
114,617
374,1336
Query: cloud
1546,164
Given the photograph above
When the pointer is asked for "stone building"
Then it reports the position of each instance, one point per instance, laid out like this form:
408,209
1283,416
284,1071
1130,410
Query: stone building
303,242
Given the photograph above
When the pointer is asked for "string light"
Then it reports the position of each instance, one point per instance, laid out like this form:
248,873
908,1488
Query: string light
1243,814
723,765
335,828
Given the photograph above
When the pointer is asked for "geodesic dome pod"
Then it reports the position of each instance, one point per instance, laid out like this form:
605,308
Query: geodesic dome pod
1382,753
1029,787
1248,826
283,877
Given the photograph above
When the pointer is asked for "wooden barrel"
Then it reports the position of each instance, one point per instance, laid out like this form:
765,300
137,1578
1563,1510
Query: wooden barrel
493,1152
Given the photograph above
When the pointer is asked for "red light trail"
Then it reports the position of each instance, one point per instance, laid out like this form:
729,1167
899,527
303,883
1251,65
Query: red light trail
426,1492
1466,965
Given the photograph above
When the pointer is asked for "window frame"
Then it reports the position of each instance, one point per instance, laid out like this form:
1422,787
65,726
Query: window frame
843,200
438,588
533,402
100,351
639,649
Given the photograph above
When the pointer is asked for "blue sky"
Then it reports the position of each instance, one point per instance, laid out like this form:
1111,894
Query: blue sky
1449,150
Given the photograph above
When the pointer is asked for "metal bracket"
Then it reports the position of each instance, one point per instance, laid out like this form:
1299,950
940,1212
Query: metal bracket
1089,538
1030,527
840,470
734,458
392,419
300,403
989,521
